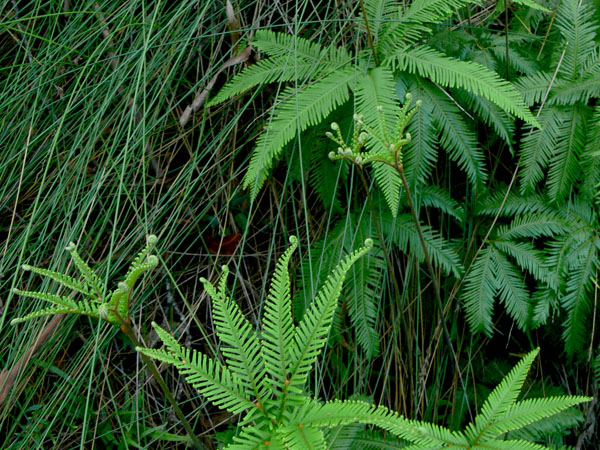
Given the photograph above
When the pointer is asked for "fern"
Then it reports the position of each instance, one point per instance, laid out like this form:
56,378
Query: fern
467,75
114,308
330,79
299,109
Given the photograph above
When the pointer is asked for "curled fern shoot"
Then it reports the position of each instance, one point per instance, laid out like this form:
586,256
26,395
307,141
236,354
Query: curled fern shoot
115,310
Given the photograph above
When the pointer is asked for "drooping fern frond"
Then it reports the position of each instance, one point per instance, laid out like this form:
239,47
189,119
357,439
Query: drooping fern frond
456,137
402,232
299,110
479,291
575,22
471,76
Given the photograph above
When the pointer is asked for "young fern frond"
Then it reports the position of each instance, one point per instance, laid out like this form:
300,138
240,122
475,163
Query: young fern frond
114,310
311,334
91,277
69,282
242,350
59,300
277,326
216,382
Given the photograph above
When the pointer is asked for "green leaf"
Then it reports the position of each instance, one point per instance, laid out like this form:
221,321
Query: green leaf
479,292
471,76
299,110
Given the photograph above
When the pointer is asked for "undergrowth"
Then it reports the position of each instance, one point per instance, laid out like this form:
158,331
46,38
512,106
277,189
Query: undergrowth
122,119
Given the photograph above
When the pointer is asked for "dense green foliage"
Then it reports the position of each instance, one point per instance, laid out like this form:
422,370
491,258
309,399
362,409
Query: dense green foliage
210,125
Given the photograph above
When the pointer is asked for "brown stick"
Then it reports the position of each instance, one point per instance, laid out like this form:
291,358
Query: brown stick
8,377
201,96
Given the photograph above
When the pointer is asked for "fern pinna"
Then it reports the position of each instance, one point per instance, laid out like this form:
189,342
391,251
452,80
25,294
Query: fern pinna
264,373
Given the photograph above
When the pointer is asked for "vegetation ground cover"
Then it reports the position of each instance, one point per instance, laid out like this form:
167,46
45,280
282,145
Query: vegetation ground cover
209,124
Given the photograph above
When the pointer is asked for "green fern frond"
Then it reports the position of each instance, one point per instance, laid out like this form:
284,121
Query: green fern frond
214,381
577,302
380,14
264,72
69,282
311,334
58,300
590,160
501,398
575,21
532,4
456,137
281,45
420,154
511,289
479,291
538,146
532,226
414,18
526,412
376,101
390,183
301,437
365,287
255,438
581,90
471,76
436,197
534,87
493,203
298,111
528,258
91,277
493,116
375,95
277,325
564,165
53,310
403,234
241,349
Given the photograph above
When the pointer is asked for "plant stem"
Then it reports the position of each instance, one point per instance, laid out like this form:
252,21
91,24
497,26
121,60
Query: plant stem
129,331
369,35
390,265
436,286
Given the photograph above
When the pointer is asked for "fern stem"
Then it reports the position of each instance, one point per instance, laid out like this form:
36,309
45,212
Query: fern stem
369,35
390,265
436,285
127,328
